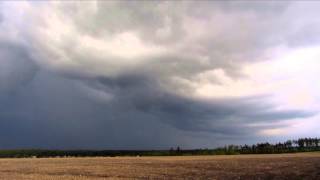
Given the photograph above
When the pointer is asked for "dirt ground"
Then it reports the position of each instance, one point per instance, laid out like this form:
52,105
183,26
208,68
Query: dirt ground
280,166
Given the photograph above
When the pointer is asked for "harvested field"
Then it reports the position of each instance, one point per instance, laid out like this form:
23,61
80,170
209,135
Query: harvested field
278,166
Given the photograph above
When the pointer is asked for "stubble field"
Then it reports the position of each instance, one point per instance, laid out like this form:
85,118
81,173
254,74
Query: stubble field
279,166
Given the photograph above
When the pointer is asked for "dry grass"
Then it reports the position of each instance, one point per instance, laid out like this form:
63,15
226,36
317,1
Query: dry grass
285,166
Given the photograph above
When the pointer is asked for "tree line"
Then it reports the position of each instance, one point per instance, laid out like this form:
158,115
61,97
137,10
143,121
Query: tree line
299,145
290,146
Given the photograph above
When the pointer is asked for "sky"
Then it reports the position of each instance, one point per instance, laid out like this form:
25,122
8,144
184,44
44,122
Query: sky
158,74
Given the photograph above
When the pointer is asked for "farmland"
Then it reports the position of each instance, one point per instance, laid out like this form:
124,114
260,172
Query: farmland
272,166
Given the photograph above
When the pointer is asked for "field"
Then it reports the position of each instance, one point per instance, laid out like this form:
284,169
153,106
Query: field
278,166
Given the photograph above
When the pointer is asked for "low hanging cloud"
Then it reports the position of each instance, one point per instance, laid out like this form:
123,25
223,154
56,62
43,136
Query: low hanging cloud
125,74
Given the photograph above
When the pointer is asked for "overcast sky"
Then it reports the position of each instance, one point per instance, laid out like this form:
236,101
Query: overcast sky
155,75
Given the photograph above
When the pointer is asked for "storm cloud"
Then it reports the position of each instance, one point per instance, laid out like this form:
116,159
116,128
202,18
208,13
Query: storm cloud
128,75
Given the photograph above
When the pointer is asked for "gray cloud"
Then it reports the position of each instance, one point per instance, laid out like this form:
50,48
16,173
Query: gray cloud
122,75
1,18
225,115
306,36
51,112
16,67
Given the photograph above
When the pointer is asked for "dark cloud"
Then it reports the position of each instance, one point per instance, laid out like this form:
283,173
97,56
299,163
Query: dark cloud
225,115
123,75
16,68
53,112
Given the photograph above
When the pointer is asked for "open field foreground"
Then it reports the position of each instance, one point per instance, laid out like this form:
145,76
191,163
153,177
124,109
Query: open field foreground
278,166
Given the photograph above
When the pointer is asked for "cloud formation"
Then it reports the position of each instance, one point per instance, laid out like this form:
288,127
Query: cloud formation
128,74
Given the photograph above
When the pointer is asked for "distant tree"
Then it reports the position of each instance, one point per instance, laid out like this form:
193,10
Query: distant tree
317,142
288,144
301,143
308,142
178,149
